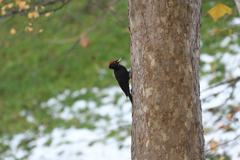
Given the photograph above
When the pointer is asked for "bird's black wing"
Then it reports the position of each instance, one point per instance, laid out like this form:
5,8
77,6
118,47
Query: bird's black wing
122,76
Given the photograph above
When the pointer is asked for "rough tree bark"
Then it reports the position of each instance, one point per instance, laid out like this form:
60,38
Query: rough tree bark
167,114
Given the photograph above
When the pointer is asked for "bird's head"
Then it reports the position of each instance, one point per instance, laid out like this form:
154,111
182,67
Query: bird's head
114,64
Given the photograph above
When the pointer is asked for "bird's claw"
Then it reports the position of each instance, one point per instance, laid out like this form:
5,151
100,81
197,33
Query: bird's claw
130,74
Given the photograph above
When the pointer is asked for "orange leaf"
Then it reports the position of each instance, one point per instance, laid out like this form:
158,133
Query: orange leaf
35,14
22,5
213,145
236,109
84,42
13,31
27,28
222,127
10,5
218,11
30,15
40,31
30,29
26,6
229,116
17,2
47,14
3,12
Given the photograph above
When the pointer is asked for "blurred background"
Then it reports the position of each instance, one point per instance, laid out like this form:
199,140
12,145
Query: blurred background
59,100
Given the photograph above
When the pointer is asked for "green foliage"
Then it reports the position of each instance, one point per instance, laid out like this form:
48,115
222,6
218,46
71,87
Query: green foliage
33,69
218,157
212,33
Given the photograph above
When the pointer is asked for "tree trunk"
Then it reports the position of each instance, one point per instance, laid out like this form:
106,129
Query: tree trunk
167,114
238,5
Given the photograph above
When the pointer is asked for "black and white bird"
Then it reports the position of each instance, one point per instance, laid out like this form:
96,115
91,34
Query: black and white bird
122,76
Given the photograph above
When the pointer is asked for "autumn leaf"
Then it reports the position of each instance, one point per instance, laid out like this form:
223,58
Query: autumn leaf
30,15
218,11
3,12
13,31
40,31
236,109
84,42
47,14
35,14
222,158
222,127
27,28
230,32
10,5
213,145
23,5
30,29
17,2
229,116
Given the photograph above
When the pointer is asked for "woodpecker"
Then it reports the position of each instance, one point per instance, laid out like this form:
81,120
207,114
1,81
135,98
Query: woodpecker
122,76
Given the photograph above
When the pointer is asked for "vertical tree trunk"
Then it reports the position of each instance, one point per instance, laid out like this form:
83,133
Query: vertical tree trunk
238,5
167,114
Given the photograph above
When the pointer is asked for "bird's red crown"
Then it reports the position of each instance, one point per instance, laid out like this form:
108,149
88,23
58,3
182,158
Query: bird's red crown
111,62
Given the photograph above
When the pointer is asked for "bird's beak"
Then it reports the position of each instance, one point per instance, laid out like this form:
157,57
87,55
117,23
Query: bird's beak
119,60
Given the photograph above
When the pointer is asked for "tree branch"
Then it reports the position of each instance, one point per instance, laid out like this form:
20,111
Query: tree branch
89,29
222,144
51,60
232,81
14,12
224,29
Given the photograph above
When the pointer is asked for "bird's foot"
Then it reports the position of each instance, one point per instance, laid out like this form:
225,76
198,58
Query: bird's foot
130,74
